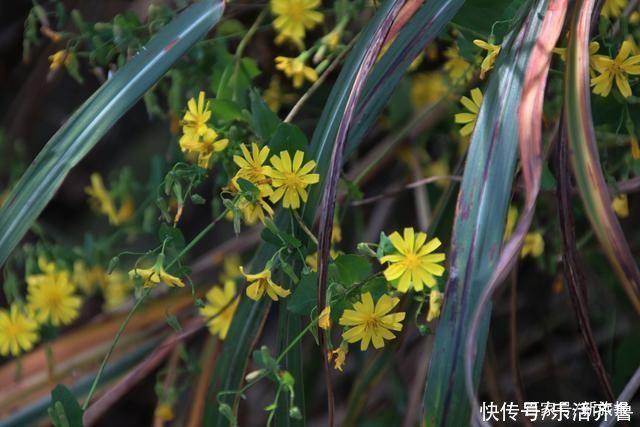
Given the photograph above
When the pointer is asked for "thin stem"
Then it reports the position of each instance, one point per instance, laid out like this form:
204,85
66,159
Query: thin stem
242,46
124,324
316,85
139,303
297,339
304,227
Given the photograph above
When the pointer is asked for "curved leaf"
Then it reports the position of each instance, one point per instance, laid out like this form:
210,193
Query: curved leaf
586,160
96,116
479,227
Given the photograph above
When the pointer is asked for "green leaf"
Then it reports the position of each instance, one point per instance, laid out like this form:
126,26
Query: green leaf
225,110
287,137
303,299
96,116
477,234
172,235
65,408
352,269
248,187
266,121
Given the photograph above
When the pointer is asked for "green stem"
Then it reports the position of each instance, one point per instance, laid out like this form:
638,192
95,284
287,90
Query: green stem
297,339
304,227
139,303
242,46
103,365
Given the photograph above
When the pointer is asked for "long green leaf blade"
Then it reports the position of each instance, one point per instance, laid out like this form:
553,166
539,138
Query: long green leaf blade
586,161
96,116
479,227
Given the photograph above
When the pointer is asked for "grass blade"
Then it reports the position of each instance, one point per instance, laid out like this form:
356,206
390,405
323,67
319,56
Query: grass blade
479,227
96,116
585,159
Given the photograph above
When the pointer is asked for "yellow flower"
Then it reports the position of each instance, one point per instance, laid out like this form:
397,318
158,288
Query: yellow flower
324,321
18,331
439,168
164,411
204,144
88,279
274,96
230,268
369,323
117,290
435,304
294,17
251,165
620,205
415,264
336,232
427,88
512,217
635,149
257,209
220,308
339,355
533,245
613,8
52,296
61,57
617,69
460,71
290,179
100,199
492,53
261,283
296,70
155,275
473,105
197,115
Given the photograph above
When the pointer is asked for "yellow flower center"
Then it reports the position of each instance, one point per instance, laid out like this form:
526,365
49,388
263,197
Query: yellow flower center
15,329
411,261
54,298
292,180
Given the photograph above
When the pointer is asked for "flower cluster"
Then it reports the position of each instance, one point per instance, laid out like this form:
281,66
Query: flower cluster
294,18
197,136
285,180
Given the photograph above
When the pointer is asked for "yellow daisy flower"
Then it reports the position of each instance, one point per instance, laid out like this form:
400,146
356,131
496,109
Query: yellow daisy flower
613,8
492,53
220,308
618,69
372,323
533,245
275,97
197,115
296,70
415,264
52,296
435,304
204,144
460,71
251,164
155,275
100,199
427,88
261,283
117,290
473,105
294,18
291,178
620,205
257,209
18,331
